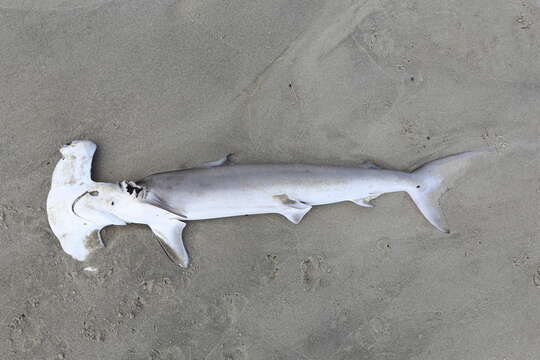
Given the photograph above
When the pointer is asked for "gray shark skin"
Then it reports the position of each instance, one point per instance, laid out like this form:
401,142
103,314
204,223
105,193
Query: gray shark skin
220,189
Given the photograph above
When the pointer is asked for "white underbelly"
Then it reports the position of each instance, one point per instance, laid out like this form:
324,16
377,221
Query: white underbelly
270,200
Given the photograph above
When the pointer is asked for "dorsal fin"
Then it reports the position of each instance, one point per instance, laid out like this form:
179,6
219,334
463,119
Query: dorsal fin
227,160
369,165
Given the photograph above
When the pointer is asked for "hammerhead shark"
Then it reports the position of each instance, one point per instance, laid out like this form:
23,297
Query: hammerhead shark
78,207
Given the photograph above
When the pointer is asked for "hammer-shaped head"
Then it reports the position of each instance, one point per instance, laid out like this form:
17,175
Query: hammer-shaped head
78,208
71,180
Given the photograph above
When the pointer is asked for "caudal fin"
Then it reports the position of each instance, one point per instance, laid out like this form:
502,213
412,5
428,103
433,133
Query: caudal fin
433,180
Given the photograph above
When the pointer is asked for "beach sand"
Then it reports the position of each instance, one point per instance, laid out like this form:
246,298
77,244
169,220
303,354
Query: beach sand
161,85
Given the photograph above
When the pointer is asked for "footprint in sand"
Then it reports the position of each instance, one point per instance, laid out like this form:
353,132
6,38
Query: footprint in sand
314,271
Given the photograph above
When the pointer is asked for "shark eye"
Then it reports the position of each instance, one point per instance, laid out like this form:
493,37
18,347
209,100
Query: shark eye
93,193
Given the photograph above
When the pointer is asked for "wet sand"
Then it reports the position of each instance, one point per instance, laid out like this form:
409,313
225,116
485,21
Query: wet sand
162,85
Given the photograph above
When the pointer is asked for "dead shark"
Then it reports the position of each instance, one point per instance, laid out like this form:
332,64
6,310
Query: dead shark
78,207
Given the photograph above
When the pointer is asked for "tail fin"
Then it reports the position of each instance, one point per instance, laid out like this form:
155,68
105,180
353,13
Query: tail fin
433,180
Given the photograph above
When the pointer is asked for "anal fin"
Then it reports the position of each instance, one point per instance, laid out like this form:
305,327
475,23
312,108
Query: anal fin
365,202
296,215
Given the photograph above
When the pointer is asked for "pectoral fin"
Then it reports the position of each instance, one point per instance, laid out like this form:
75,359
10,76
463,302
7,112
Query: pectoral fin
153,199
169,233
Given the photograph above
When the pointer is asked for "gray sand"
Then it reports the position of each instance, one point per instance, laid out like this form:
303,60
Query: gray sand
160,85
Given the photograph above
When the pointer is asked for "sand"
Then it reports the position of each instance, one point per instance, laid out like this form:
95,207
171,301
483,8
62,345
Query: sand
160,85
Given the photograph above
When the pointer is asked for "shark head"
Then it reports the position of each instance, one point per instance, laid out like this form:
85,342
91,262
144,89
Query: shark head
78,207
71,182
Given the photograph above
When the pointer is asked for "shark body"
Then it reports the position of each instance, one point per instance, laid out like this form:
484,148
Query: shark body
79,208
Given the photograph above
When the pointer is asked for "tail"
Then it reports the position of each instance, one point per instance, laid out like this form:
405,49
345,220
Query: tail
432,180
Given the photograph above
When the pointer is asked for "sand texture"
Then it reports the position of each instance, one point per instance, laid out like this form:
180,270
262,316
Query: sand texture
161,85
